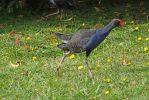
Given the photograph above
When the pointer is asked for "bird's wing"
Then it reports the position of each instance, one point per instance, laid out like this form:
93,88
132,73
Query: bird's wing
89,36
81,34
64,4
79,40
64,38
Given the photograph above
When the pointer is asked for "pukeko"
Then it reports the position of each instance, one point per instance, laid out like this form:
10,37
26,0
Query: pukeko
85,40
60,5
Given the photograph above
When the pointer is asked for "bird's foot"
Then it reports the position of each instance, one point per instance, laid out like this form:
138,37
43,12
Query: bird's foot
44,18
57,71
60,17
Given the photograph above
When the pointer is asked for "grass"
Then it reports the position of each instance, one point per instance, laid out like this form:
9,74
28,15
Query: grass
119,64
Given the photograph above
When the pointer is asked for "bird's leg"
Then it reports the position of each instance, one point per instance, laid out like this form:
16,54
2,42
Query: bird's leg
62,60
61,14
61,11
57,12
89,69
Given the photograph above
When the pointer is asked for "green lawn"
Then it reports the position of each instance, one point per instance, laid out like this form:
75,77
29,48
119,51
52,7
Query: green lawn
29,56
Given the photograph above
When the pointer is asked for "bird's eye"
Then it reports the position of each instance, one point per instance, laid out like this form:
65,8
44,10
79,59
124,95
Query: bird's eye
121,23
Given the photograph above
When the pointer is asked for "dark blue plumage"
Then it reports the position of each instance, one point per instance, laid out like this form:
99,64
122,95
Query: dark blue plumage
86,40
99,36
94,41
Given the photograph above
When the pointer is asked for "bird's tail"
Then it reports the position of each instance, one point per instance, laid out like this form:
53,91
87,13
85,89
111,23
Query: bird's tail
64,38
72,7
69,5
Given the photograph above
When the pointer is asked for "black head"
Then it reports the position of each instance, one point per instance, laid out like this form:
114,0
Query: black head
117,22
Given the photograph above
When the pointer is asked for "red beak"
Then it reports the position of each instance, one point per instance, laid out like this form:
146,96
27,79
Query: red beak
122,23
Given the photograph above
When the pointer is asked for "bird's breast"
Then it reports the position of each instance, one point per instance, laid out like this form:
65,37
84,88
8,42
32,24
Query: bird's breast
94,41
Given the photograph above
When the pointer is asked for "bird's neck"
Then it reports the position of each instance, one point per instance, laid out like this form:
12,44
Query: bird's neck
108,28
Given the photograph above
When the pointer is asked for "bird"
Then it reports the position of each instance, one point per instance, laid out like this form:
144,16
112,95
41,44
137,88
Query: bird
61,5
85,40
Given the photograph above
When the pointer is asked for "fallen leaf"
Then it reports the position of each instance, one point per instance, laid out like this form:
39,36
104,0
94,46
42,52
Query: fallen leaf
136,28
28,38
17,41
69,19
107,80
145,49
139,38
27,47
14,65
12,33
60,17
126,63
72,56
80,67
107,92
34,58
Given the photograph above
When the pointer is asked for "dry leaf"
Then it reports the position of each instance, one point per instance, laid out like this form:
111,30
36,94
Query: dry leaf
126,63
27,47
17,41
69,19
60,17
14,65
12,33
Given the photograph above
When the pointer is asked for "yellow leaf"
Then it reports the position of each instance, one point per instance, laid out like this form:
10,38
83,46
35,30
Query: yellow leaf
34,58
139,38
109,60
148,64
107,92
107,80
125,78
28,38
83,24
145,49
129,63
72,56
146,39
80,67
125,62
27,47
132,22
136,28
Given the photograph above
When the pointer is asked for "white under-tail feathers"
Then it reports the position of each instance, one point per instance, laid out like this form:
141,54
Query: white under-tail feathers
64,38
52,1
